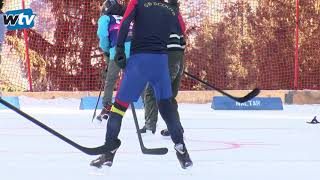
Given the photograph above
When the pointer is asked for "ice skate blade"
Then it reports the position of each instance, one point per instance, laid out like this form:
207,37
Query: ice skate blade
187,165
108,164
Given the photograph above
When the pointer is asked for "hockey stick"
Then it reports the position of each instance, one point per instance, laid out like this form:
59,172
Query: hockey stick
156,151
248,97
90,151
95,109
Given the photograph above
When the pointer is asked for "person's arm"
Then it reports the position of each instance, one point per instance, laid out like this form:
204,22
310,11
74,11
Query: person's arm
103,33
3,29
125,22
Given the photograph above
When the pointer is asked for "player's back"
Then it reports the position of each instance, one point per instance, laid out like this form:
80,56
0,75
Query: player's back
152,25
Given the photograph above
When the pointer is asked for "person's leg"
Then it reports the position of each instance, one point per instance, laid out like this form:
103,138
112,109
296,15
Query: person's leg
167,111
129,91
161,84
111,78
176,63
163,92
131,86
113,129
150,110
176,68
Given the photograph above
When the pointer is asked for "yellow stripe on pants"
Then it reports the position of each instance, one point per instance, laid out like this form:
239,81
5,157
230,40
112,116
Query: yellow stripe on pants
118,111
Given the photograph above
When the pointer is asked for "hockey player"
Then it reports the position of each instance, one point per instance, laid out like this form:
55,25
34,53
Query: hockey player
108,26
176,48
3,30
148,62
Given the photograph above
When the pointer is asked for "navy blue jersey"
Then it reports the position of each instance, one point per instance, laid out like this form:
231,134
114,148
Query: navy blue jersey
153,22
177,37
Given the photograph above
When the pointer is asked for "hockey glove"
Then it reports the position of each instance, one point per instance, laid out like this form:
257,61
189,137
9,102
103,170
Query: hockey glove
120,58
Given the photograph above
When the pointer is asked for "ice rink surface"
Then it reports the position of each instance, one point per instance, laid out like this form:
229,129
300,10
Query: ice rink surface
224,145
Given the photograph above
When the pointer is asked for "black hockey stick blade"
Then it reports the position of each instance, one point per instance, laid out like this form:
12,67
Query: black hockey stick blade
90,151
247,97
155,151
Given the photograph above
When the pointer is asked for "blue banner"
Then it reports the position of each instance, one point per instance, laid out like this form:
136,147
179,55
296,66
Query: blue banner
14,100
90,102
258,103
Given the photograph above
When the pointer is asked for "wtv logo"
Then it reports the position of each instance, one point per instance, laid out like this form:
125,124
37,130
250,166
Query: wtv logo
19,19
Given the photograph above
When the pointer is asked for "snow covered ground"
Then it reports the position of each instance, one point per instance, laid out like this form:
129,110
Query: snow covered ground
224,145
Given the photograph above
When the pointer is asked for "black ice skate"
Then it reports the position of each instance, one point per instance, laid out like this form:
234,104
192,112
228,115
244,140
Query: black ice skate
104,114
314,121
144,130
165,132
183,156
107,158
